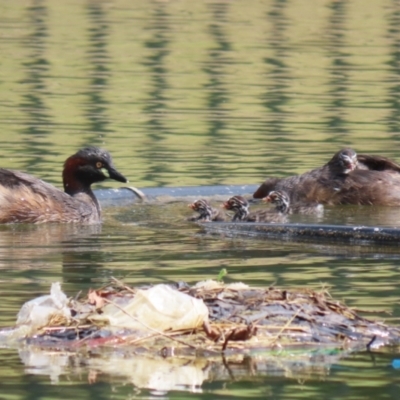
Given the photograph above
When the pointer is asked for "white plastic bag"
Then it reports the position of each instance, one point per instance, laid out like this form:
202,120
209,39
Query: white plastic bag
37,313
160,308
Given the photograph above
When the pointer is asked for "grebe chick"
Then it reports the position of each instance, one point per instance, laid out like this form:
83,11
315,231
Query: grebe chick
240,206
206,212
282,204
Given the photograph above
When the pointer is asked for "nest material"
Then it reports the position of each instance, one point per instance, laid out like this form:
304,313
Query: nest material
241,319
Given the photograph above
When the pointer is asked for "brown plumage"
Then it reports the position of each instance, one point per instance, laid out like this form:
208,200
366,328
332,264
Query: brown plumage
377,163
206,212
240,206
345,179
282,204
318,185
370,187
24,198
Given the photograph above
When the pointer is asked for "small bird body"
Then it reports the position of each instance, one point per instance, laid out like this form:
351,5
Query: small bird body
206,212
282,204
240,206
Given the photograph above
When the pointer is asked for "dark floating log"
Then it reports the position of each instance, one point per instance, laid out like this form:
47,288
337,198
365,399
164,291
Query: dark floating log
310,232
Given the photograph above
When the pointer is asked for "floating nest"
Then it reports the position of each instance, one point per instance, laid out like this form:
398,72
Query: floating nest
241,320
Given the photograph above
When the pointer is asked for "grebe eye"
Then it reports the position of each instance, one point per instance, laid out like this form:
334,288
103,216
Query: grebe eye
99,165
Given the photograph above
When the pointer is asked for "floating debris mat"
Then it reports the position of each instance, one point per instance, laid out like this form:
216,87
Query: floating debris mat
206,319
309,232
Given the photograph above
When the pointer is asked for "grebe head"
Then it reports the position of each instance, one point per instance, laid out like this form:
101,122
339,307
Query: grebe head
280,199
238,204
202,207
87,166
345,161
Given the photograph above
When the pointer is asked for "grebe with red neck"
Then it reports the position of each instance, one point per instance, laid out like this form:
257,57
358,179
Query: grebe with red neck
26,199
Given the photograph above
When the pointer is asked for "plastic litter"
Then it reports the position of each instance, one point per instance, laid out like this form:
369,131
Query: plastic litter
396,363
159,308
38,312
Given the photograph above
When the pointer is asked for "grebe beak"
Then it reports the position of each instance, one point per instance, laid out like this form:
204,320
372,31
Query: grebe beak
350,164
114,174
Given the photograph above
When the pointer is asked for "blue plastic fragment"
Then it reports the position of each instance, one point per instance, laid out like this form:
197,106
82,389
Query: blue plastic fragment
396,363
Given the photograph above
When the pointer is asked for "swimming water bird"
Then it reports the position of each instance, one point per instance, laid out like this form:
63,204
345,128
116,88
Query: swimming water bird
240,206
282,204
318,185
347,178
206,212
24,198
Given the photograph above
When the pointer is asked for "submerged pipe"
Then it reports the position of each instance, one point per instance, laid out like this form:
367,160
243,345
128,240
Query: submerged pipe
129,195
